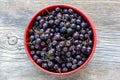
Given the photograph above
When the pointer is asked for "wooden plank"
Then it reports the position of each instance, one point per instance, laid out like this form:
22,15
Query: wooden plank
14,63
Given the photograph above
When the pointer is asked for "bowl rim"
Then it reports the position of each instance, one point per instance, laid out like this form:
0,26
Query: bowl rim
50,7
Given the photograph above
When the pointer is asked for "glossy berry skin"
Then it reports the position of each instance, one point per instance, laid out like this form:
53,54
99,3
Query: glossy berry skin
39,61
73,26
80,63
31,31
69,31
83,48
78,21
63,30
69,64
90,42
78,47
38,53
74,66
76,35
50,64
44,65
57,9
83,24
35,57
78,57
65,69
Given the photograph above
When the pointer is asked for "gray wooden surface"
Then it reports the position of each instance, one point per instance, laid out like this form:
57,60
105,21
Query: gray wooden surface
14,63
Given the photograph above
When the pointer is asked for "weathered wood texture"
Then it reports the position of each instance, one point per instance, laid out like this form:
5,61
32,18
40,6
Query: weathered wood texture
14,64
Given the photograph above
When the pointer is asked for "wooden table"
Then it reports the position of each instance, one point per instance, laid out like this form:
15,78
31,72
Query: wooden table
14,63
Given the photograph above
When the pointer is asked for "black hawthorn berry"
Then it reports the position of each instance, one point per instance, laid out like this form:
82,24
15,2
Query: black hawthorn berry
60,40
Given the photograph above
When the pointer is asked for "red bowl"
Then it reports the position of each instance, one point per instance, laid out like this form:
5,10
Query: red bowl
50,8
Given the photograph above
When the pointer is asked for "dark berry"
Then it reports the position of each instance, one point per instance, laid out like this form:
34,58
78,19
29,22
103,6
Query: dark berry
58,48
69,31
57,9
51,17
78,27
68,54
70,11
38,40
36,36
79,17
39,61
50,64
51,22
89,32
73,26
76,42
63,65
74,61
83,59
68,43
45,26
78,57
88,50
66,16
73,20
83,24
80,63
31,31
38,53
57,21
56,66
32,52
35,57
51,52
65,10
67,24
65,69
59,16
57,53
32,38
78,21
44,65
68,65
81,36
62,44
42,54
78,47
36,23
57,37
76,35
74,66
32,47
63,30
38,18
83,48
43,44
54,43
86,36
65,49
42,21
90,42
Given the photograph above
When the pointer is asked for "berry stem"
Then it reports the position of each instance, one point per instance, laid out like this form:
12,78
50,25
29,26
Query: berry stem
38,32
47,11
29,42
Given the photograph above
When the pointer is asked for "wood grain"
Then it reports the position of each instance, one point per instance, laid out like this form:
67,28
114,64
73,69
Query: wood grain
14,64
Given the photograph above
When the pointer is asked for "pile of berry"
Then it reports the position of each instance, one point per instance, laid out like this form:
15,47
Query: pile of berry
60,40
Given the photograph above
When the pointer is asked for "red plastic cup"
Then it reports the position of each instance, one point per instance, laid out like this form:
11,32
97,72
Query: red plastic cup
29,25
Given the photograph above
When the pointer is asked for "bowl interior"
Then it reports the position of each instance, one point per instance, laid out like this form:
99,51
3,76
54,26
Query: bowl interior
29,25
